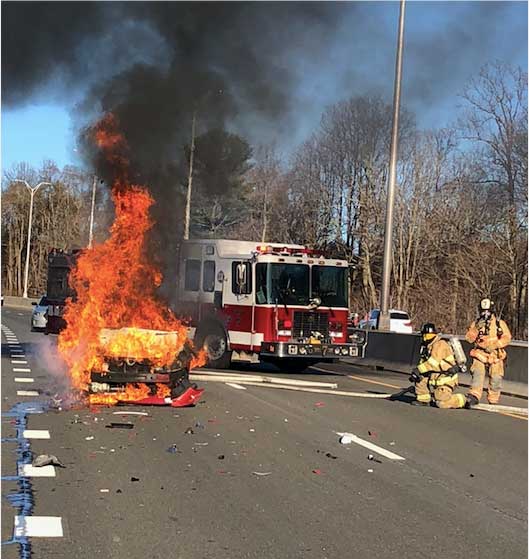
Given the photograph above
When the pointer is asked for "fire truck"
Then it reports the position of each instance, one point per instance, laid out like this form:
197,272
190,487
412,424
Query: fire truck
250,301
60,262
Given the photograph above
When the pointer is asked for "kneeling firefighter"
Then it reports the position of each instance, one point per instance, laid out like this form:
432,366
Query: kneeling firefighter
436,373
490,336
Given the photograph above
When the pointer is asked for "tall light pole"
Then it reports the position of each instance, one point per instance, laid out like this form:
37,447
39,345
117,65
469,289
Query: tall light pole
91,229
32,191
190,178
384,321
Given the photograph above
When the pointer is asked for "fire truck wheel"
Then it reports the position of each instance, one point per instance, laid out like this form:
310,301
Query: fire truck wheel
216,346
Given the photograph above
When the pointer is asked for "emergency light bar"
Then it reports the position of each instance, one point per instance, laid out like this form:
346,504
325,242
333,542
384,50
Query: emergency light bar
278,249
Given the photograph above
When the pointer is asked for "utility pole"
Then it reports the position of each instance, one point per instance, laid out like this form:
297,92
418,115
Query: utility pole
91,228
28,244
384,320
190,178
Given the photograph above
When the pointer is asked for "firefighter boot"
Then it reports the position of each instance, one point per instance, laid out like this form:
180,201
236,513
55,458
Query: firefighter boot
471,401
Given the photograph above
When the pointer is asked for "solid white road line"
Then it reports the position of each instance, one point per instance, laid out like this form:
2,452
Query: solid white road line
15,370
24,379
373,447
237,386
27,393
28,470
36,434
38,526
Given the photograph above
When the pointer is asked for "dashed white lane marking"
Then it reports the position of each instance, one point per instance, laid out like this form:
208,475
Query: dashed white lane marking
24,379
38,526
237,386
13,362
15,370
373,447
28,470
36,434
27,393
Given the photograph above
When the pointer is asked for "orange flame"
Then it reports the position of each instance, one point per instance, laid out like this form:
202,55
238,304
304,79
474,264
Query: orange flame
115,286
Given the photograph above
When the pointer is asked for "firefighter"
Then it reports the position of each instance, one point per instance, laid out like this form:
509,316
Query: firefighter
436,373
490,337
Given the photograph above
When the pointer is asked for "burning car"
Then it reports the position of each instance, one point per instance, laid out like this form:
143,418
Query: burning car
128,373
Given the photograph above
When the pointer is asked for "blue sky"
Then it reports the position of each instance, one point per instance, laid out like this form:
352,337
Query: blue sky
445,44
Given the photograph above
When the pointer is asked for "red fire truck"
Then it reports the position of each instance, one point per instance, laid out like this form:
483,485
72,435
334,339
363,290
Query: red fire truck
250,301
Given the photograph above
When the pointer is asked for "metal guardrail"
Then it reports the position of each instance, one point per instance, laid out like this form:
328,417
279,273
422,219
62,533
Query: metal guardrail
400,352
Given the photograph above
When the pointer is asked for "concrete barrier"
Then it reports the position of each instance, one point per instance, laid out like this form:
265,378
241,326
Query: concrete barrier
400,352
19,302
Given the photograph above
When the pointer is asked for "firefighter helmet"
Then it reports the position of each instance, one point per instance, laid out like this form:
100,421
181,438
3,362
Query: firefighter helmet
429,332
486,305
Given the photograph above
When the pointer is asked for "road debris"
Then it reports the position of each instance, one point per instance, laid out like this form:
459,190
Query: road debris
199,425
46,460
371,457
89,438
346,439
134,478
372,434
130,413
319,404
104,491
113,425
262,473
221,456
317,471
370,471
392,443
201,444
173,449
189,431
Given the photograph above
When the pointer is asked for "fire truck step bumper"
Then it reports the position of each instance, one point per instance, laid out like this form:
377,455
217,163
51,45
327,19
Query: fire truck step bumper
310,351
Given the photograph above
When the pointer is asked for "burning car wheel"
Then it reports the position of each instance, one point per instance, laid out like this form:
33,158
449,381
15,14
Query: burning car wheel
216,346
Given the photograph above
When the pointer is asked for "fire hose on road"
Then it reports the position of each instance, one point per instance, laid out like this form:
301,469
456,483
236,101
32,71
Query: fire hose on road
325,388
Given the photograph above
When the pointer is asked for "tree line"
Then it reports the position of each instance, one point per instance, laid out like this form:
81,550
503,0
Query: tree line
460,230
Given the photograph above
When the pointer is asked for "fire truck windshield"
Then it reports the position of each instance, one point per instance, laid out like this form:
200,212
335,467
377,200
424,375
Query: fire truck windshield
329,283
283,284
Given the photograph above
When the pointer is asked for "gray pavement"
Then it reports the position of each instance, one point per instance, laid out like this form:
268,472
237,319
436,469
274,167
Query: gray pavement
461,490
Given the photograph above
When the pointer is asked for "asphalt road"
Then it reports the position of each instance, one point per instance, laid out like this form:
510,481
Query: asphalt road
460,492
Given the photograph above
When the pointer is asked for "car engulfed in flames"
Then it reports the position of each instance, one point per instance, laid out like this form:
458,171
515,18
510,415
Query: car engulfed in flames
130,374
122,342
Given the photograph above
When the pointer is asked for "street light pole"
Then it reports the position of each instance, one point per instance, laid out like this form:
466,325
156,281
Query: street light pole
190,178
384,320
28,244
90,231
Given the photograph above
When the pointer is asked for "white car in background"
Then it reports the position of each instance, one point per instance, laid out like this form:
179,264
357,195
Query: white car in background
38,315
399,321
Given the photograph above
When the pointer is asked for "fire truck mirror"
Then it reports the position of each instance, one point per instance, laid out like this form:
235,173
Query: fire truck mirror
241,278
217,299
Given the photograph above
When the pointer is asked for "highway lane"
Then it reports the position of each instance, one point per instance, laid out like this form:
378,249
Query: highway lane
464,475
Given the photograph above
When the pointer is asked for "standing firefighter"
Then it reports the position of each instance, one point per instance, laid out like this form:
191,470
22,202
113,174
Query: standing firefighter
490,336
437,372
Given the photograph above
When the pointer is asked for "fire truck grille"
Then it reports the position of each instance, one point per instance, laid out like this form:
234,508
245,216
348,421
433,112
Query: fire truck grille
307,322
